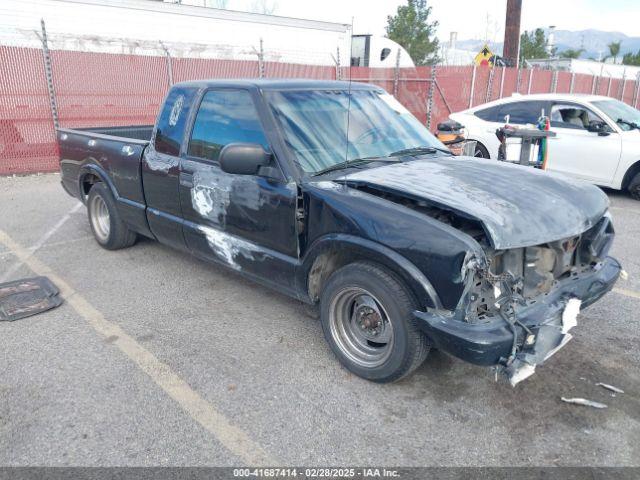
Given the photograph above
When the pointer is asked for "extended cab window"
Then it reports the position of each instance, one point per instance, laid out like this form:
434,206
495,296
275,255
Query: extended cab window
170,129
225,116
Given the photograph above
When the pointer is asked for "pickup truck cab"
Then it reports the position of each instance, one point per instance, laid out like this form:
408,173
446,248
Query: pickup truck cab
334,194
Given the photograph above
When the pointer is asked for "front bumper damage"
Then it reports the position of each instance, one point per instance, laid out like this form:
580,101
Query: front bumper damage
548,320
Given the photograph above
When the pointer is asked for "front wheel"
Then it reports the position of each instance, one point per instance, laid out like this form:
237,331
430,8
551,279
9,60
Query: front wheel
108,228
634,187
366,315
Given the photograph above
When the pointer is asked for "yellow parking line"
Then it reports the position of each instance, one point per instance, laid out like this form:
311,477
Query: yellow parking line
627,293
230,436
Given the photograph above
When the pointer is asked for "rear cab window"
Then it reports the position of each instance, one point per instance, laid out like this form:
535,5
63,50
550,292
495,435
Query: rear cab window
173,119
225,116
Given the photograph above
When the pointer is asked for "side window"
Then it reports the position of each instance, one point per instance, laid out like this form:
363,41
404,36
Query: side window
491,114
172,120
521,113
384,53
225,116
572,116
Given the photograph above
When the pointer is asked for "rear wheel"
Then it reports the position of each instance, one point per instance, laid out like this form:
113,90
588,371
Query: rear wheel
108,228
366,315
481,151
634,187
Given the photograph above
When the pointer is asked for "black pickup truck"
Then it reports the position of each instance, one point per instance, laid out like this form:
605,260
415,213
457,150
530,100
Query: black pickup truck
334,194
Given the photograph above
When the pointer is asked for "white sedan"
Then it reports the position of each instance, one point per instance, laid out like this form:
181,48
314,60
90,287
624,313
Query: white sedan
597,138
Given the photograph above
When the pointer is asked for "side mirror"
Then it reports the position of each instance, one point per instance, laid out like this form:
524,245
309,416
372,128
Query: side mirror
243,158
598,127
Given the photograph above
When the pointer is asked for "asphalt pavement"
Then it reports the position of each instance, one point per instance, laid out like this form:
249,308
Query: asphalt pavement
157,358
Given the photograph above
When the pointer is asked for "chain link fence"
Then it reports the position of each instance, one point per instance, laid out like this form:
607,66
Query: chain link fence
50,79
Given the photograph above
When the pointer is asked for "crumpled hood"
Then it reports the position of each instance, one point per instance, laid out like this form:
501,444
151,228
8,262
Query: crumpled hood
518,206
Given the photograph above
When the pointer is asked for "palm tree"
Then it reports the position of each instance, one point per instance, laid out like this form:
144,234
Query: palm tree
614,50
571,53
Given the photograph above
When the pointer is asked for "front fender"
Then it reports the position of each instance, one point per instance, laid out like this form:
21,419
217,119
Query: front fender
361,248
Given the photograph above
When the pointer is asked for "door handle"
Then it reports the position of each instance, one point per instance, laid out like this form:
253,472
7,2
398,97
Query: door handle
186,179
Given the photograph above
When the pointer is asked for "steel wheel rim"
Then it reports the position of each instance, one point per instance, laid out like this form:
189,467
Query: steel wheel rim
100,218
360,327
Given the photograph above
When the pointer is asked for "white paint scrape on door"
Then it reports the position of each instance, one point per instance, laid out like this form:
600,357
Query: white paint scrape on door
227,247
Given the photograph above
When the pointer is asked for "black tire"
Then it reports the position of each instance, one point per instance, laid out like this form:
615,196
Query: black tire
389,300
634,187
481,151
108,228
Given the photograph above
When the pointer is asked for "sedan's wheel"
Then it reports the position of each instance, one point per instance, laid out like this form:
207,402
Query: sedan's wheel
634,187
481,151
107,226
367,319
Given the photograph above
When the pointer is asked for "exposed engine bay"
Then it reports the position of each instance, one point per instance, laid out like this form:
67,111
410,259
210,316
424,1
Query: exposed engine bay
503,285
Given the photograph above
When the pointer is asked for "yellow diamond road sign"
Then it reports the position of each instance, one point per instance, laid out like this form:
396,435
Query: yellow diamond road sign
484,56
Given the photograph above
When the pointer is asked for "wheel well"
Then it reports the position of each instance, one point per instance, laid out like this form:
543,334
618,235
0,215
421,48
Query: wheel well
88,181
331,260
631,172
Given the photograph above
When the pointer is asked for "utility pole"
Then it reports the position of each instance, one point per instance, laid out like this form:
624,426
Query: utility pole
511,49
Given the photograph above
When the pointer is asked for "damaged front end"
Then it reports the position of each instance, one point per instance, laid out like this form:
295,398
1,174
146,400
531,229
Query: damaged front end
519,304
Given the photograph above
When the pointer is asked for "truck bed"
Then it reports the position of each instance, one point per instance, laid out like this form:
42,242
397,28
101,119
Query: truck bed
132,132
113,154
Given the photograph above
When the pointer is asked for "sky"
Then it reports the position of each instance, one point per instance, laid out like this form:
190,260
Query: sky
482,19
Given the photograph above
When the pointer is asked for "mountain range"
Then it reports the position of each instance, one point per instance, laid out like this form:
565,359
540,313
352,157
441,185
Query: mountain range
593,41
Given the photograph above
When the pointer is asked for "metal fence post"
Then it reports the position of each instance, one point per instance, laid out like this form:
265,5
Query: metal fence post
48,71
624,83
609,87
260,55
169,63
473,86
519,80
337,60
573,79
554,82
530,81
504,71
636,91
488,95
396,75
432,86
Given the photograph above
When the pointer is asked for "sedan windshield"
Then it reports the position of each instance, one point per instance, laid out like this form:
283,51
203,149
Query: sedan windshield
327,128
625,116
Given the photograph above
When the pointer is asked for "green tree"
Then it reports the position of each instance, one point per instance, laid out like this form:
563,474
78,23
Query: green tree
614,50
631,58
533,45
411,28
572,53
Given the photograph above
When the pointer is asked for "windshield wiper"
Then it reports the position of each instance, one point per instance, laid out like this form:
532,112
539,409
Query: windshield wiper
626,122
353,163
419,151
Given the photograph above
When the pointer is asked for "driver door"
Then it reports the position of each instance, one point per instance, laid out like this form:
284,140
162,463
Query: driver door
246,222
577,152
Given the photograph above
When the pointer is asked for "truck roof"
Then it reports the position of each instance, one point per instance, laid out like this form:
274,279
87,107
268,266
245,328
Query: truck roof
280,84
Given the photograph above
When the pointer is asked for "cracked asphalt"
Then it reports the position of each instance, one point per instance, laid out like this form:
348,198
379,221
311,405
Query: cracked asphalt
259,366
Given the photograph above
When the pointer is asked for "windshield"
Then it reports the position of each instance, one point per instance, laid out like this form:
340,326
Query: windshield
625,116
314,124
